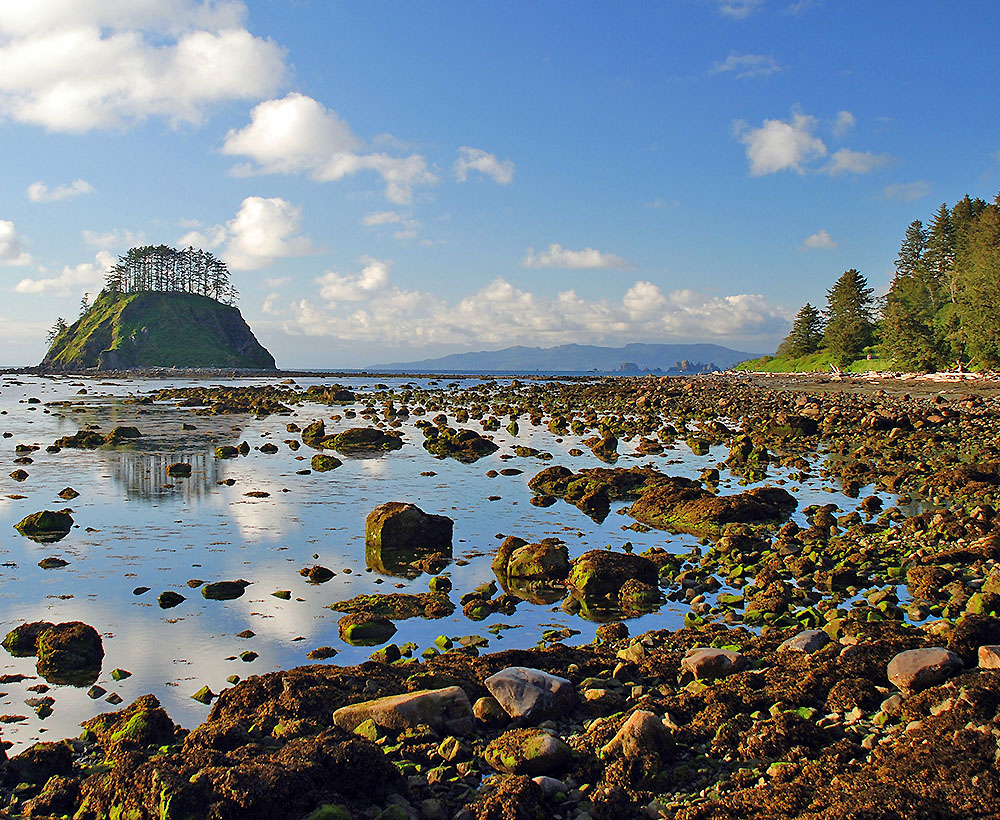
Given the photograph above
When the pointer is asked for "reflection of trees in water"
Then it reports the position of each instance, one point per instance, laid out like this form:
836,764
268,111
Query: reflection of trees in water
144,475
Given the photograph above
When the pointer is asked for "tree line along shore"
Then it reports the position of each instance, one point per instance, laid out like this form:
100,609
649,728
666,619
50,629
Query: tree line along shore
940,313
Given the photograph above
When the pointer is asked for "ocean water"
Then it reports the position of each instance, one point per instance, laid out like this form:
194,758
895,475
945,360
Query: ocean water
136,527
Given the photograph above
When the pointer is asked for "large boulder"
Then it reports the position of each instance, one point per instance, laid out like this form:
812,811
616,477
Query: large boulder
446,710
466,446
70,653
363,440
399,536
701,513
45,526
708,662
530,752
917,669
602,573
548,560
531,694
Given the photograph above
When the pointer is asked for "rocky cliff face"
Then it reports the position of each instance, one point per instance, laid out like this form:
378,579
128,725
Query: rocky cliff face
153,329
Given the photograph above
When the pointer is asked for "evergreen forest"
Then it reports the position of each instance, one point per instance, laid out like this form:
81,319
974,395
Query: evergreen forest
942,309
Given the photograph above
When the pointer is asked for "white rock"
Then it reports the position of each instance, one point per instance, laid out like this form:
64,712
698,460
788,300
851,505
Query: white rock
445,710
531,693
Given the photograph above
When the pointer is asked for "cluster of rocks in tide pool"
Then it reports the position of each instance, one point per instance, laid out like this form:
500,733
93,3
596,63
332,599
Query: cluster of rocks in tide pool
697,724
843,664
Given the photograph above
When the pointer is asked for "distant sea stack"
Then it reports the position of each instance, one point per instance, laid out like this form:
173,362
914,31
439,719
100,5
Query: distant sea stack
160,308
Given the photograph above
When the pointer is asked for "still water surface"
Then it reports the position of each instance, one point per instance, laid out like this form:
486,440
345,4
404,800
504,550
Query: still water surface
136,527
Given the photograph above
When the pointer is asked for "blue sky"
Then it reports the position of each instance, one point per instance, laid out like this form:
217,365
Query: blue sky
391,180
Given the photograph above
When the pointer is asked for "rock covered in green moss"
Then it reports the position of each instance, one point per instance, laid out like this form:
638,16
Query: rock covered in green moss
602,573
399,536
702,513
365,629
466,446
22,641
69,653
322,463
530,752
363,440
398,605
82,440
45,526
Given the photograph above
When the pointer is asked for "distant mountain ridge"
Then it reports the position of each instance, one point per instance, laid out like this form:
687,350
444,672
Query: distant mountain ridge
571,358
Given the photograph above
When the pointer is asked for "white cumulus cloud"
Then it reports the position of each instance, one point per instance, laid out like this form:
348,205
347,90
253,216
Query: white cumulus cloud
340,287
297,134
476,159
368,307
791,145
781,146
40,192
72,279
556,256
263,231
821,240
78,66
12,250
846,161
747,65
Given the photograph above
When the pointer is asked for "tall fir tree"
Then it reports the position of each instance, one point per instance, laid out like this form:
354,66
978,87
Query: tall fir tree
806,334
849,324
910,306
977,288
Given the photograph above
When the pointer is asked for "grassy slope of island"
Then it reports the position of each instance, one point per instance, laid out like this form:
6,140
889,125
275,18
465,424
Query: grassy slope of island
157,329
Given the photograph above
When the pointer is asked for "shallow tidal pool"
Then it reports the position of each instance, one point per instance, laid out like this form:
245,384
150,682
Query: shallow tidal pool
136,527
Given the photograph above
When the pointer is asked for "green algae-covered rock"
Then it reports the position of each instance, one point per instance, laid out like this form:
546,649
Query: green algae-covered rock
45,526
636,596
227,451
323,463
361,629
314,433
706,514
604,447
601,573
363,440
22,641
401,539
398,605
83,440
466,446
145,727
123,434
70,653
547,560
531,752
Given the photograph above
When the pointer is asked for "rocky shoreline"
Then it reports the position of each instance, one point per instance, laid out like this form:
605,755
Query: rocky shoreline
851,671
